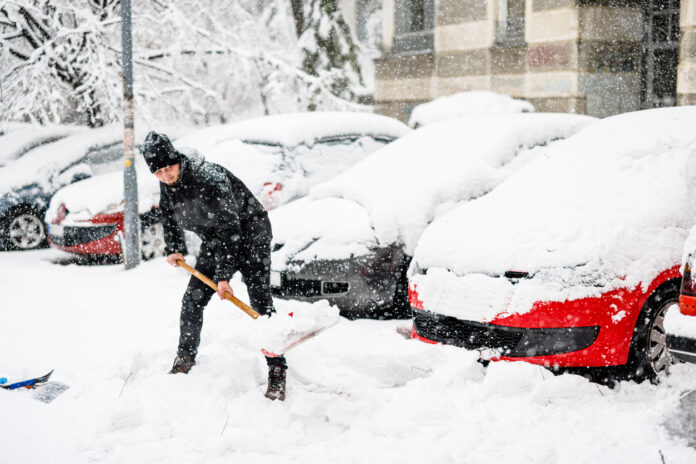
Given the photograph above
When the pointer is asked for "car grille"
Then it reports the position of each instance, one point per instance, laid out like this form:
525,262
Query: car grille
335,288
73,236
300,287
466,334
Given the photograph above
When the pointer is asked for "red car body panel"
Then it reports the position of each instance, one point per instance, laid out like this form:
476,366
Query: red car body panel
616,330
109,245
687,305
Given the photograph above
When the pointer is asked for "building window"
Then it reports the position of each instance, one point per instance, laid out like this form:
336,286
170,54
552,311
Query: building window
414,22
660,53
510,25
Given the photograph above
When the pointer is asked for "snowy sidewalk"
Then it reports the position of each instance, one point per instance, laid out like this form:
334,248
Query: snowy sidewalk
359,393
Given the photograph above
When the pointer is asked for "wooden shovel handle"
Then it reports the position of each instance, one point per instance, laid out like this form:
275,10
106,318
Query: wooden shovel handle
228,296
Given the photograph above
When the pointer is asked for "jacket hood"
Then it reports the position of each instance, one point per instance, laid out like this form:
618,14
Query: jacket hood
191,164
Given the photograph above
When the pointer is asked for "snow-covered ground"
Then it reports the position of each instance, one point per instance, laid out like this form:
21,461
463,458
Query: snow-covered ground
361,393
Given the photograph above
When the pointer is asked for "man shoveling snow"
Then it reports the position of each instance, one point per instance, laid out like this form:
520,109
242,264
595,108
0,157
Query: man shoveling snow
210,201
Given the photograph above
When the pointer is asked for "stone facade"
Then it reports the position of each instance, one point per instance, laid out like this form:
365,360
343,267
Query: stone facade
597,57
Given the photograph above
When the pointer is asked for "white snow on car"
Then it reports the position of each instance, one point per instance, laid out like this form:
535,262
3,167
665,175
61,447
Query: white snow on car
392,195
291,152
607,208
467,104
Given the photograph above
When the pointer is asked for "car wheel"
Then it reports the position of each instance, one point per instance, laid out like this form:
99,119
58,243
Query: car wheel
152,240
24,229
649,355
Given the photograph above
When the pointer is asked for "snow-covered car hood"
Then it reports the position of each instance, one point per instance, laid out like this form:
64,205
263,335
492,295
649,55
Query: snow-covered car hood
608,207
22,138
467,104
293,129
104,195
404,186
329,228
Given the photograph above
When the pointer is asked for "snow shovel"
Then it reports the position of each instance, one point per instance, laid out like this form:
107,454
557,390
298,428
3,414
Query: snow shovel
294,339
228,296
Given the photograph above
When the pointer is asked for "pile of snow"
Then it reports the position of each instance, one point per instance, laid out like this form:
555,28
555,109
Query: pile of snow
607,208
20,138
467,104
278,332
406,185
357,392
293,129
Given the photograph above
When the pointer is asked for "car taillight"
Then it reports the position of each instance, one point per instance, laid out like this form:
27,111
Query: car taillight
687,299
62,212
413,298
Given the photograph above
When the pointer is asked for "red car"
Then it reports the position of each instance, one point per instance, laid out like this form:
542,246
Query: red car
574,261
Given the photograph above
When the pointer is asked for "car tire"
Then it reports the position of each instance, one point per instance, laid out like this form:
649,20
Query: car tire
23,229
151,240
649,354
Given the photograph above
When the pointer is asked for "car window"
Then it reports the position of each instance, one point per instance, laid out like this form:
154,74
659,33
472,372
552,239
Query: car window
98,160
329,157
271,149
105,158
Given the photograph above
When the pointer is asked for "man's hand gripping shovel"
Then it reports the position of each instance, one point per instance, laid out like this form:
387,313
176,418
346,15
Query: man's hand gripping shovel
292,340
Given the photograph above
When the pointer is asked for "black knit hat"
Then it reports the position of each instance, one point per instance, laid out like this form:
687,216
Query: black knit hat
159,151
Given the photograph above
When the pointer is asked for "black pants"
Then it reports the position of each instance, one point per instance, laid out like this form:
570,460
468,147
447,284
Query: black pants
254,263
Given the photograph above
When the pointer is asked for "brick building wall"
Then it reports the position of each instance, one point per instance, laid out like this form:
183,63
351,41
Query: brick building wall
585,56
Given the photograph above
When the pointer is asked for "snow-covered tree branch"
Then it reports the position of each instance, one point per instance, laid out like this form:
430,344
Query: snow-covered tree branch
195,61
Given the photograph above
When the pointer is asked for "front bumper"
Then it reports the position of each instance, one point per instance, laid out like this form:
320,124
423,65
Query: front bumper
92,239
513,342
359,286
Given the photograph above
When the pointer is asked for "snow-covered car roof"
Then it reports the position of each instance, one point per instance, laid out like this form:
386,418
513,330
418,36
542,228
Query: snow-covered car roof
19,138
609,207
254,164
293,129
10,126
466,104
405,185
38,165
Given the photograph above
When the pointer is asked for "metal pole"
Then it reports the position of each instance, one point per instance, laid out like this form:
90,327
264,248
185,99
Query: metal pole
131,247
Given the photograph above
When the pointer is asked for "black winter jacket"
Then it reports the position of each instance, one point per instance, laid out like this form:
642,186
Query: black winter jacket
214,204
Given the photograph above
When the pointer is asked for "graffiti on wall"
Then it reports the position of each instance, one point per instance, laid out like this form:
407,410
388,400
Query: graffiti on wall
547,55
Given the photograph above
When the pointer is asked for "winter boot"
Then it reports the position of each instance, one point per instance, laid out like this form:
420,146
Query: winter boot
182,364
276,383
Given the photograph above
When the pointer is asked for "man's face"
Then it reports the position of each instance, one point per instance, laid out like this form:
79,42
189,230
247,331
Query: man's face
169,175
